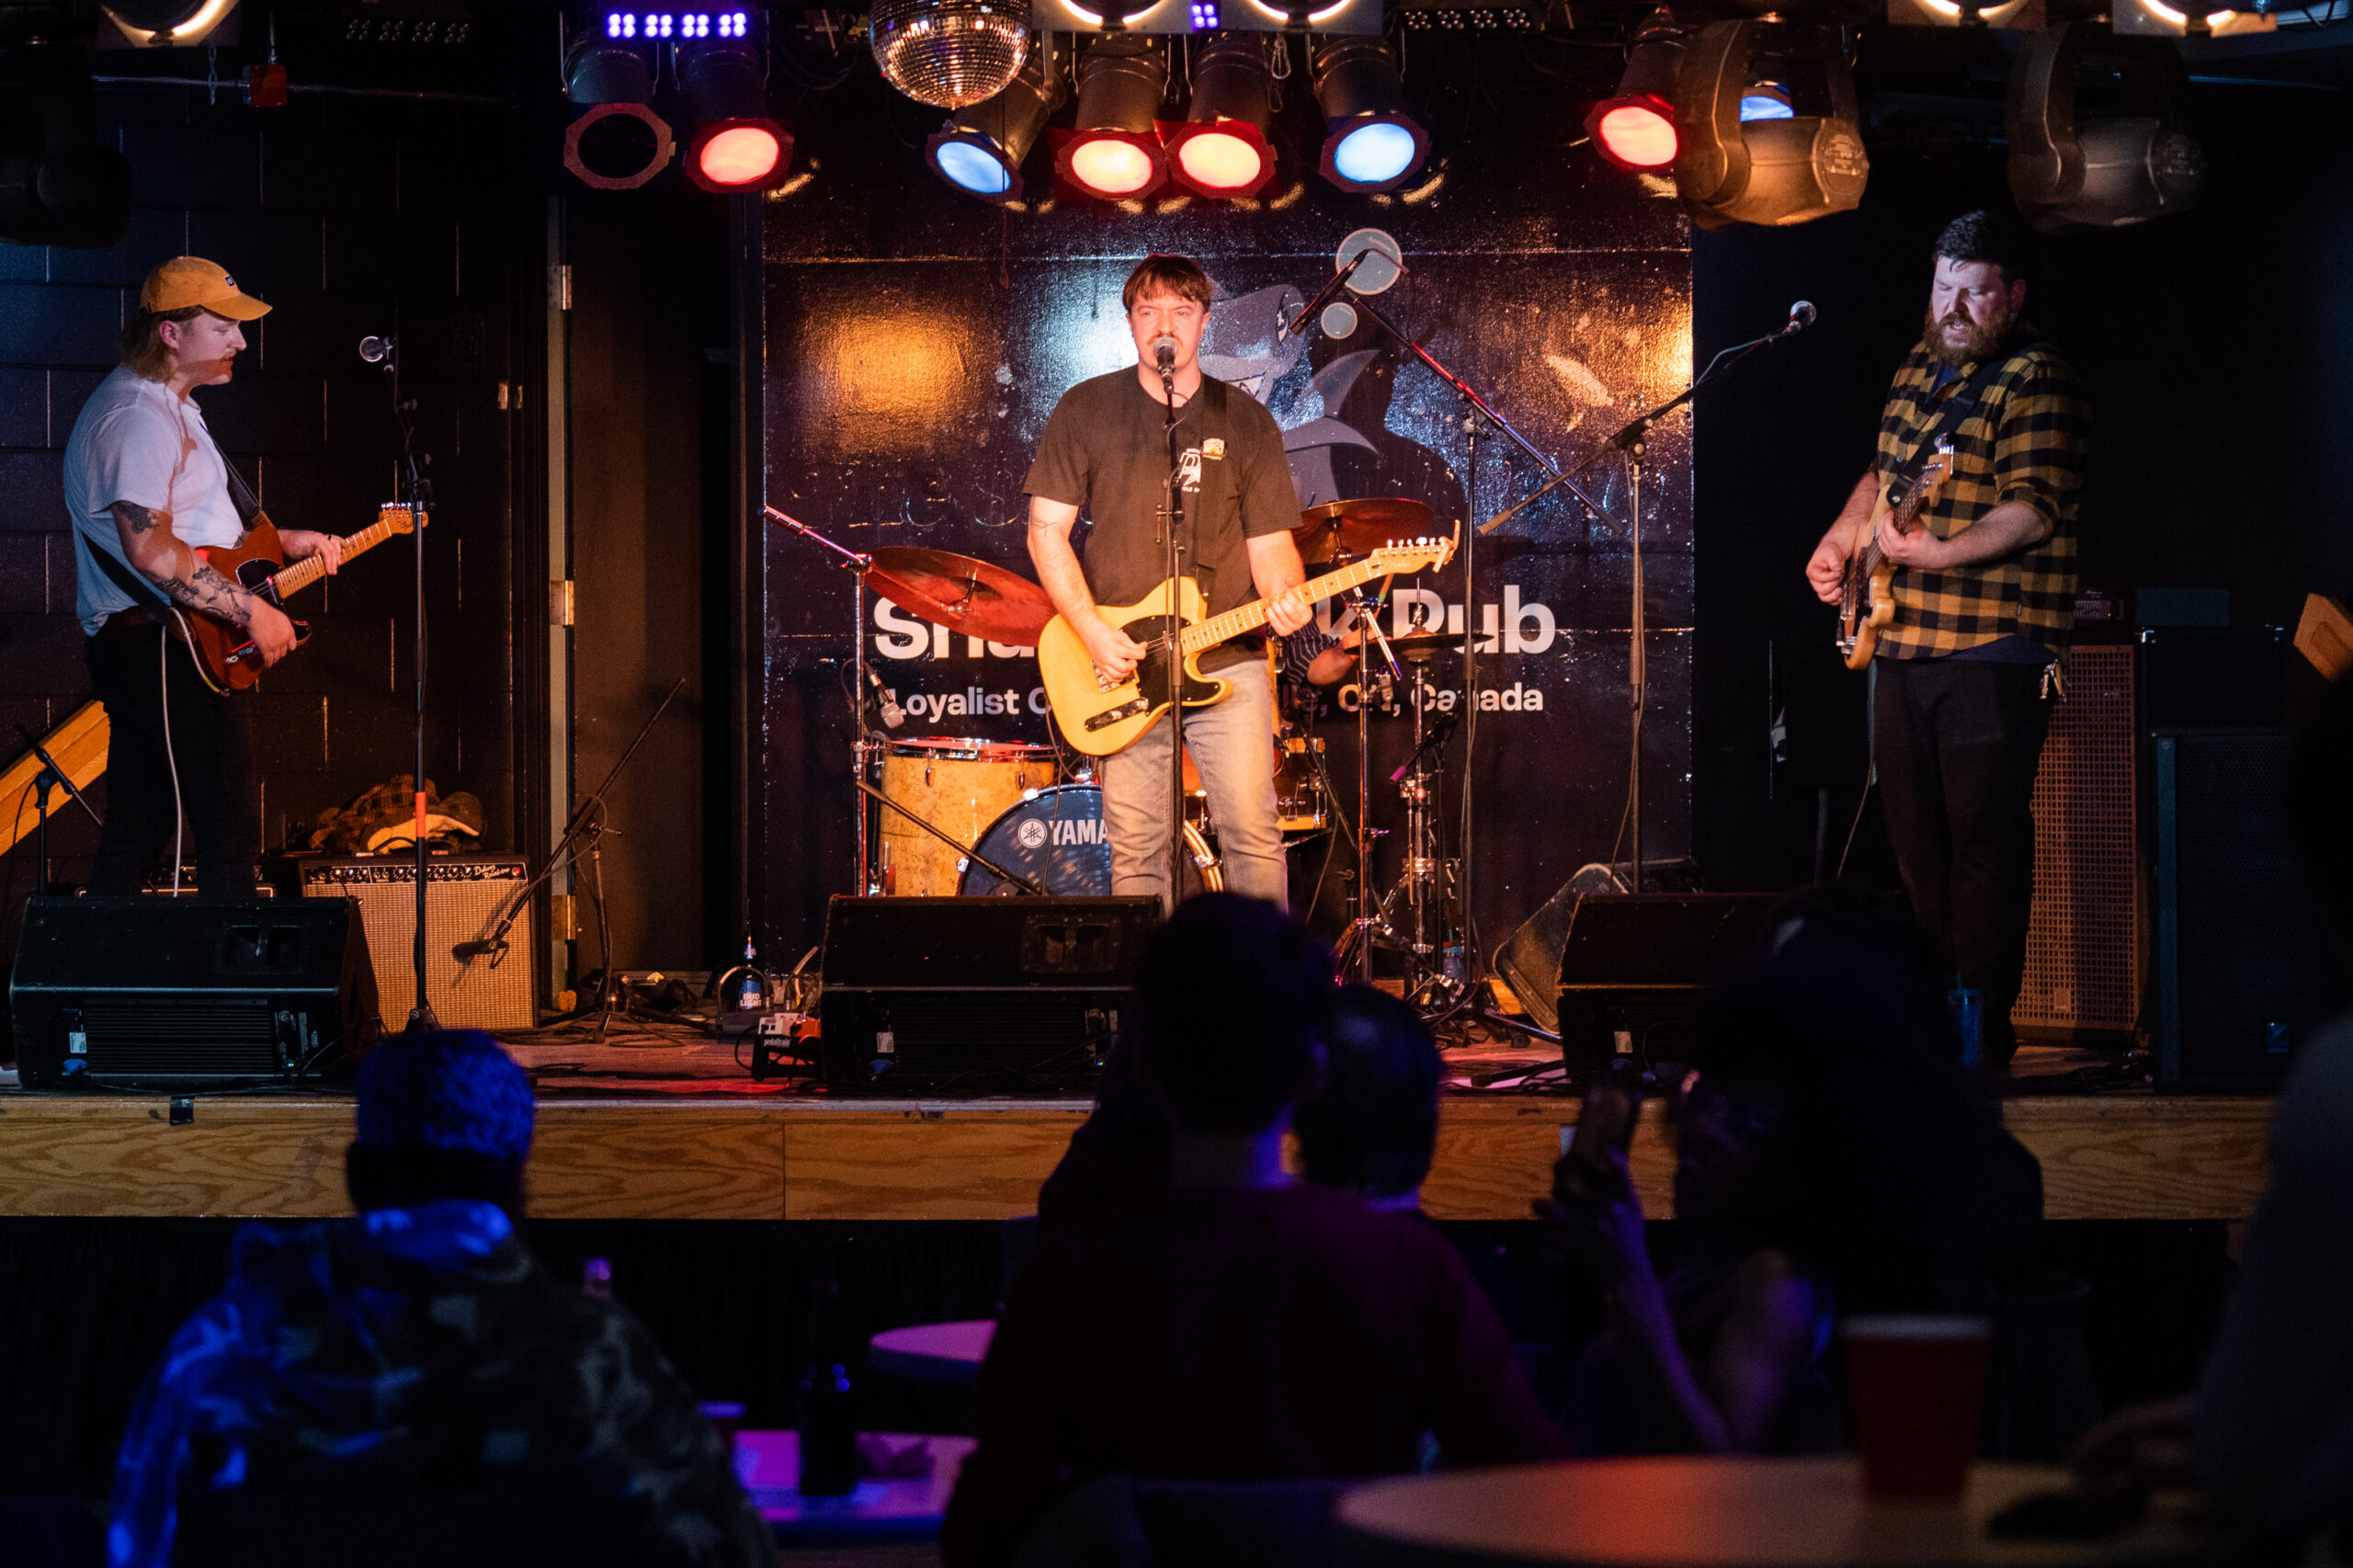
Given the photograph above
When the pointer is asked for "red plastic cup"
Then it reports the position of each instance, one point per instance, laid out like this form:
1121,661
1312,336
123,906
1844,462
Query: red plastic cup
1916,1387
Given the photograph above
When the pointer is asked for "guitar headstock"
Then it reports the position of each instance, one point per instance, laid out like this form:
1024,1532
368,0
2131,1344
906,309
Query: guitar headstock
1934,473
395,516
1410,555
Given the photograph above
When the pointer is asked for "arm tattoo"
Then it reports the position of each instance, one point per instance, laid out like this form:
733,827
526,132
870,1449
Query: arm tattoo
205,589
137,519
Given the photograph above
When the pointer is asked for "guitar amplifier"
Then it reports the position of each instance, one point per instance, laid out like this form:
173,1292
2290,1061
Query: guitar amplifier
2083,947
465,898
163,993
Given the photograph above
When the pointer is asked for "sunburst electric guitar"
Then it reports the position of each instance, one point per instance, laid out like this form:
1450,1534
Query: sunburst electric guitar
1099,718
1867,598
224,655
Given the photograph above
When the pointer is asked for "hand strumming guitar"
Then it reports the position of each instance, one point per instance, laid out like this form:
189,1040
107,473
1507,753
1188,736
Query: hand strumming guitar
1116,654
273,634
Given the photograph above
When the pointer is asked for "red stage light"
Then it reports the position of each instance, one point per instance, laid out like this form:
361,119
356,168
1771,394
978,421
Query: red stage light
739,155
1634,133
1222,159
1112,165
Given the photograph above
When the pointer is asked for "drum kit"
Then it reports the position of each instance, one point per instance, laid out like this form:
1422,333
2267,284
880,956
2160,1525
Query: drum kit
962,816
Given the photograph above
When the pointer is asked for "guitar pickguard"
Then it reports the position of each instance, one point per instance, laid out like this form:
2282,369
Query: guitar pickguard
1157,633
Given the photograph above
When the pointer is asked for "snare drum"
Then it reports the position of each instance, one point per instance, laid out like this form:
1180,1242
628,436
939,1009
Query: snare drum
960,786
1055,838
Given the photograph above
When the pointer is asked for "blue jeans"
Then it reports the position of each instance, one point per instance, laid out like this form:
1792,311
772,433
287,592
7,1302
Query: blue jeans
1233,743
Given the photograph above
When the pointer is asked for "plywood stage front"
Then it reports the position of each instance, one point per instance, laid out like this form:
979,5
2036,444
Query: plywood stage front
618,1155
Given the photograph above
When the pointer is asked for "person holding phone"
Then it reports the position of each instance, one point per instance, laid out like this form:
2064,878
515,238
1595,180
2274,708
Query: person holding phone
1822,1155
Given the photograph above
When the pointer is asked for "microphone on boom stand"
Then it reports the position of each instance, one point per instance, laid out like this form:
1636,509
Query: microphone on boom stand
1800,318
376,350
1163,358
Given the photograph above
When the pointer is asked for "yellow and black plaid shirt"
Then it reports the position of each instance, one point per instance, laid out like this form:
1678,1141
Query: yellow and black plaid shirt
2026,442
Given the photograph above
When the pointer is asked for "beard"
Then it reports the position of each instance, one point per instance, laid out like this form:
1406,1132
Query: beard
1982,341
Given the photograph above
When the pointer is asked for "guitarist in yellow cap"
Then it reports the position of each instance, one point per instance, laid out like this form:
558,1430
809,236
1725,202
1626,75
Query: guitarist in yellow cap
1105,449
148,489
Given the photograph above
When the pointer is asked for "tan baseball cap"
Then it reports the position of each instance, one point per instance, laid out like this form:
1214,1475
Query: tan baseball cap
187,280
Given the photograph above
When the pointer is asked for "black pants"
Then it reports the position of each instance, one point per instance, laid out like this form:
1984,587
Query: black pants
1956,742
212,744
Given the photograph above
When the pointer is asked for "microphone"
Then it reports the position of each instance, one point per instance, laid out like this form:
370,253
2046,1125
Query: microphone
1339,280
893,714
375,350
1800,318
465,950
1164,354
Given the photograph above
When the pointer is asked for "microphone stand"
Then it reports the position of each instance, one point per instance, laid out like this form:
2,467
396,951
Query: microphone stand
1172,516
50,776
862,746
420,1017
1631,439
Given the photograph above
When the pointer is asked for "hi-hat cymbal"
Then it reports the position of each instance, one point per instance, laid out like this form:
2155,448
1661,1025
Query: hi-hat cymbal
962,594
1357,525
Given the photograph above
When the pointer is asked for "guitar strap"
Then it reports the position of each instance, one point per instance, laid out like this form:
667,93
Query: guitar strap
240,495
1212,486
1957,409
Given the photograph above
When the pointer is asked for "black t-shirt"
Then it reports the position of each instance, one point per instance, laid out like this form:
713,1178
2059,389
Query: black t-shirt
1104,449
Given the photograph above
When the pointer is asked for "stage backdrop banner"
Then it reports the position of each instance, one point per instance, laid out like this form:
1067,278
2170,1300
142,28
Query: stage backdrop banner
917,342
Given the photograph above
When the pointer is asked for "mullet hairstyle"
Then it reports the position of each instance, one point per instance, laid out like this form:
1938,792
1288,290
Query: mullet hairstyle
1158,274
1984,235
143,345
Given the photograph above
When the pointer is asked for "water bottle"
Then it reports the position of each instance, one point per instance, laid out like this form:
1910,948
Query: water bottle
751,999
1967,1005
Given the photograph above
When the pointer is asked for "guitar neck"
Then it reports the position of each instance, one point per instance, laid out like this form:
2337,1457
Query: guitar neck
1250,617
300,575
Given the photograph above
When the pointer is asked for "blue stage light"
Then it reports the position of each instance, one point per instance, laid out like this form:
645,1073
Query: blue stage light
1204,13
1766,101
969,168
1375,155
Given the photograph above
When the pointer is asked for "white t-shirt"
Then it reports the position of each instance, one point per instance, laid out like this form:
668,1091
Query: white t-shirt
138,441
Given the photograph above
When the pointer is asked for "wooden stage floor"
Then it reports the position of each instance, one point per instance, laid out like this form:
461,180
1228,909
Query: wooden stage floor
669,1133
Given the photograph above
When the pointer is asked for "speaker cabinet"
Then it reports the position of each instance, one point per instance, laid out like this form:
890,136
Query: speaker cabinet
465,898
2083,948
161,993
976,994
2246,957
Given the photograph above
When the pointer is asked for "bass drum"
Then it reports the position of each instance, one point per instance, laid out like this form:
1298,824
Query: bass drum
1055,838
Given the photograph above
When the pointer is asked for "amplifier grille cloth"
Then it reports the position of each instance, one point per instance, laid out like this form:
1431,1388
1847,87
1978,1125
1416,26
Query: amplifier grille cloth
463,903
185,1037
2083,953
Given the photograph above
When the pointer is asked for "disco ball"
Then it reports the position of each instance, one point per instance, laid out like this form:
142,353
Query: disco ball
949,53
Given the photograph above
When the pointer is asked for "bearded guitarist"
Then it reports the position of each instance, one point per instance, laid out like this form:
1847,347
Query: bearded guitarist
148,488
1984,596
1104,449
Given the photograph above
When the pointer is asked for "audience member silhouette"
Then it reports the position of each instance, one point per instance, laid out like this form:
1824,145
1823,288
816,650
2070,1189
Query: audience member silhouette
1233,1324
418,1347
1825,1149
1374,1127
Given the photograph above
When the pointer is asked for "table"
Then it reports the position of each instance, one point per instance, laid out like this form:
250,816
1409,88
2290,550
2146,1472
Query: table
1735,1512
934,1352
770,1466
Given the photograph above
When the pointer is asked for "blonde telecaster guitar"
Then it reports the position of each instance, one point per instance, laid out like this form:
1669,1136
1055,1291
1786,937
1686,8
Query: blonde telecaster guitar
1099,719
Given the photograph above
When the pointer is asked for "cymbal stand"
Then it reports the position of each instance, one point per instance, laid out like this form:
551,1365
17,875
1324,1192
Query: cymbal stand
862,745
1371,914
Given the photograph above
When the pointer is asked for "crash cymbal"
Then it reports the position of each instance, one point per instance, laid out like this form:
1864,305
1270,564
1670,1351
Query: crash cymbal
962,594
1357,525
1422,646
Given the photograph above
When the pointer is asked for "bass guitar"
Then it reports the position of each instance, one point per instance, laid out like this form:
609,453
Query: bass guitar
1099,717
224,655
1867,596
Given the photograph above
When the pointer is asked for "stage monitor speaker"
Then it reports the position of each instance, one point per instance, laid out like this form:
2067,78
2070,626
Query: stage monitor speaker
465,897
1621,975
2246,951
2083,945
163,993
928,995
